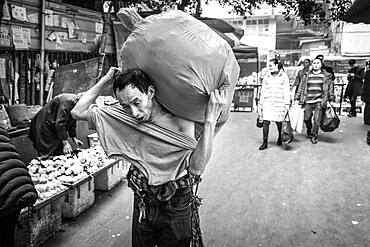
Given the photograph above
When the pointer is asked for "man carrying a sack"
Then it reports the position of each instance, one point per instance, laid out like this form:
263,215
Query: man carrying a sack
162,209
314,92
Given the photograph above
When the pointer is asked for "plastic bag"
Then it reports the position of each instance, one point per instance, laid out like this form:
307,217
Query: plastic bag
287,131
296,115
186,59
330,120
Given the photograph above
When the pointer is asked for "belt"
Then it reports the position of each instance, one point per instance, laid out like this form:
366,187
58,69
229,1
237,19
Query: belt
139,184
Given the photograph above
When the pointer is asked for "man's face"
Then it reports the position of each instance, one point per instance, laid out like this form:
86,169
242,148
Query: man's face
316,64
138,103
306,64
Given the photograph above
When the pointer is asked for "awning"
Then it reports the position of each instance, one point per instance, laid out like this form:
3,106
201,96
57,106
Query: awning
245,51
222,26
358,12
225,37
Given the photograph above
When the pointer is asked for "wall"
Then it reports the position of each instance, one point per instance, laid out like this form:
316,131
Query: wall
68,28
355,39
260,31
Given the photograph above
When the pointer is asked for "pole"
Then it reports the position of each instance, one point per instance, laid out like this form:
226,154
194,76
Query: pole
42,52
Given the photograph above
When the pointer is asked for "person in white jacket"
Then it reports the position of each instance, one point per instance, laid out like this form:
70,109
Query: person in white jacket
274,99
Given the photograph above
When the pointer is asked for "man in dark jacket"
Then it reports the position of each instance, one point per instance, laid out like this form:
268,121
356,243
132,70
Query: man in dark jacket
16,189
326,68
53,124
355,77
365,97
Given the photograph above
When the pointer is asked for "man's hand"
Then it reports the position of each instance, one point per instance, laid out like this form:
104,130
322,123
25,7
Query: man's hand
67,148
216,103
78,142
112,71
80,111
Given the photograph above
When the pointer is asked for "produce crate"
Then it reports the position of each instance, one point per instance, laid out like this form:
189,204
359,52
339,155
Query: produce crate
110,175
33,230
93,140
79,198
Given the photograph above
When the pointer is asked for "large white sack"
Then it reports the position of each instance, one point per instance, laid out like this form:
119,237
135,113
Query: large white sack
186,59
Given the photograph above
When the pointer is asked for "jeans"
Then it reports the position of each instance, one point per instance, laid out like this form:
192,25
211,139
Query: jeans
166,223
7,228
314,110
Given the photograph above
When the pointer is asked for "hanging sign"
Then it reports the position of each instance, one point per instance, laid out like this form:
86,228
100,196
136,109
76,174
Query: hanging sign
5,35
99,27
27,36
19,13
49,19
6,12
18,38
33,18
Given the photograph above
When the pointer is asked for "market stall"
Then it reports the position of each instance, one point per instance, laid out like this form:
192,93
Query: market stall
247,90
66,185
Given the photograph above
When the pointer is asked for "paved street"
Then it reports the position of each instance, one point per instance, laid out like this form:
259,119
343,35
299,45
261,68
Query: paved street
299,195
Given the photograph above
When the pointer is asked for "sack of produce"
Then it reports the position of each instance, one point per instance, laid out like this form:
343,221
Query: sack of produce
186,59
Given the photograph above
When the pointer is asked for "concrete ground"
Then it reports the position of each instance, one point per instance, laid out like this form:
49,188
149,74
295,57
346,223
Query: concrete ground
297,195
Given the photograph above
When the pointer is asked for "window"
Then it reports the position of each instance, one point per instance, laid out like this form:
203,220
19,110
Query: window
257,27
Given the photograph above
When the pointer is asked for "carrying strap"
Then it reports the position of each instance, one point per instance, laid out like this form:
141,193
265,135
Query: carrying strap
196,232
287,118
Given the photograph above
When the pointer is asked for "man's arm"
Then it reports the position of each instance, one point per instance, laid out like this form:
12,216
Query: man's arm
203,151
331,95
79,112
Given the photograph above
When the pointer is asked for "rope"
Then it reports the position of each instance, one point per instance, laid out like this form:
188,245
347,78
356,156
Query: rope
196,232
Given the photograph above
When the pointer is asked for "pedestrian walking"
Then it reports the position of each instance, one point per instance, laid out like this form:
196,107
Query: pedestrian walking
161,171
365,96
274,99
53,124
16,189
314,92
355,77
325,67
306,68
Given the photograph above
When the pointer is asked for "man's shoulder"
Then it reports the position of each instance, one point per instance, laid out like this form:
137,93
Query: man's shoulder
180,124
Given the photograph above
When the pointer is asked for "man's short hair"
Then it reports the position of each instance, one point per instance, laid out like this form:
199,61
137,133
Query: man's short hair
351,62
320,56
134,77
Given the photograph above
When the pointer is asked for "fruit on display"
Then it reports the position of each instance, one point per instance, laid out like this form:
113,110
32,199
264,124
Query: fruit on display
48,175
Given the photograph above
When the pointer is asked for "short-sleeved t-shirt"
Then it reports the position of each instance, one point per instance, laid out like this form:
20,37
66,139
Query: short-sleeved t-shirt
161,154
